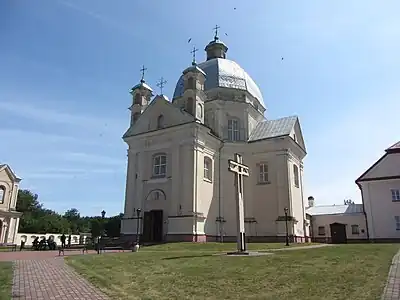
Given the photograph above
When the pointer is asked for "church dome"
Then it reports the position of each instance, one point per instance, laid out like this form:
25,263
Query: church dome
224,73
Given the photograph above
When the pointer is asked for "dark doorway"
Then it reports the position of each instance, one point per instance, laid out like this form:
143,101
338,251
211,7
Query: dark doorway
338,233
153,226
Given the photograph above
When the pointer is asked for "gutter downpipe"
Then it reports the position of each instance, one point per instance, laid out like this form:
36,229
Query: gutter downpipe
221,236
365,213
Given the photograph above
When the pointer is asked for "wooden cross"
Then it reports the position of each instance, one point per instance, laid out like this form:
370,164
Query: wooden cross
142,70
216,31
161,84
194,54
240,170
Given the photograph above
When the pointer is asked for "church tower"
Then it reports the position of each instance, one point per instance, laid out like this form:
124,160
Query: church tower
193,96
141,96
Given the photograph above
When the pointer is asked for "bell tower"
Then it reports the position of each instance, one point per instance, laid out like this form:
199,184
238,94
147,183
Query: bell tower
141,96
193,96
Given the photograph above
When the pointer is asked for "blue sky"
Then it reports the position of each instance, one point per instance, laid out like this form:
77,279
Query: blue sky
66,67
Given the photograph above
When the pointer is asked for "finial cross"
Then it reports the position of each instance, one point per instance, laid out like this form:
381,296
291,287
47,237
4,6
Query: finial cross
161,84
194,54
216,30
142,70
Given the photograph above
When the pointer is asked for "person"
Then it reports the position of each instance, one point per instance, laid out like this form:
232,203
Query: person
69,241
63,240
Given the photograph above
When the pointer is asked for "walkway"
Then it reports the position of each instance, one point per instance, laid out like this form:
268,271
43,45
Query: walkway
392,288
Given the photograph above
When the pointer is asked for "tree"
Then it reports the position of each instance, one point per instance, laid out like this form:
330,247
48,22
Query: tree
113,226
95,227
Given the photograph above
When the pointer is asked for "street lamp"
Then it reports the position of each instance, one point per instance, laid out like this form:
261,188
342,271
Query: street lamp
136,247
103,214
286,221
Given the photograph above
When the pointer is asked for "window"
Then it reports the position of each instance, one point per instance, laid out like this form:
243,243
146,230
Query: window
395,195
160,121
263,174
296,175
321,230
233,130
160,165
355,229
191,83
2,194
138,99
207,168
397,219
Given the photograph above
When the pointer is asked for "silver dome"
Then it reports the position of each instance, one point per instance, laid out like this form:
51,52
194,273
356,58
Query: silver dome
224,73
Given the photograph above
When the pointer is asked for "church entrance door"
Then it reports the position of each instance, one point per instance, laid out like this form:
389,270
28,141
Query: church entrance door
153,226
338,233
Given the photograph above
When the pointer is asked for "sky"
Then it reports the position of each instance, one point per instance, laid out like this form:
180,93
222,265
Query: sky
66,67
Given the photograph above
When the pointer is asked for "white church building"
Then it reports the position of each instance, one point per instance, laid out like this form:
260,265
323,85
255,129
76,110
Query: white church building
178,154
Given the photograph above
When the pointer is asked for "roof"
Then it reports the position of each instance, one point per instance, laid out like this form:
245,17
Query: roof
273,128
394,148
335,209
224,73
5,166
141,84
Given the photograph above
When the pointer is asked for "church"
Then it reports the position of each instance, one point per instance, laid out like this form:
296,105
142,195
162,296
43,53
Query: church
179,187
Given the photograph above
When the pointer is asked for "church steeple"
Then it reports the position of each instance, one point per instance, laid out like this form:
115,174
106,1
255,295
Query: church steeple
216,48
141,95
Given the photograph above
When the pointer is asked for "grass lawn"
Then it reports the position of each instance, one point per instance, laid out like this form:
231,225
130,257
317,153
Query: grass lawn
190,271
6,273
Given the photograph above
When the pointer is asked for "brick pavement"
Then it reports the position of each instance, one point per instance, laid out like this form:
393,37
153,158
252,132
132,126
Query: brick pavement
392,288
50,278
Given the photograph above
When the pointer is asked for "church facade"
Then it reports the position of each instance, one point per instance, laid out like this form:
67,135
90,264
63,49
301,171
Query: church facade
178,152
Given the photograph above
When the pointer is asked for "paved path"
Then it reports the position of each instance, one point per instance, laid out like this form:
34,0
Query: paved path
392,288
51,278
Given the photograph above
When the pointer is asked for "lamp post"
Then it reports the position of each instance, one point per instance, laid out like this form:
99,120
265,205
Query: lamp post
103,214
286,222
138,211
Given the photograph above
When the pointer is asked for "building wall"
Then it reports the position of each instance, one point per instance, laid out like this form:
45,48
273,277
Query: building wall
349,220
388,166
380,208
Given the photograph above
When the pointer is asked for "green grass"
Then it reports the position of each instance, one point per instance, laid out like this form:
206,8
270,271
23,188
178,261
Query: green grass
191,271
6,273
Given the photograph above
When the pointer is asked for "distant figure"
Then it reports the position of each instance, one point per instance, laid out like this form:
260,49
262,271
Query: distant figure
69,241
22,245
63,241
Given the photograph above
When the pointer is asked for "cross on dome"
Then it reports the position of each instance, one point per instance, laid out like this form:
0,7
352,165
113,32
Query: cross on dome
161,83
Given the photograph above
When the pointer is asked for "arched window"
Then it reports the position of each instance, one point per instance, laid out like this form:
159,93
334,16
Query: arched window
296,175
189,105
207,168
138,98
2,194
160,121
160,165
233,130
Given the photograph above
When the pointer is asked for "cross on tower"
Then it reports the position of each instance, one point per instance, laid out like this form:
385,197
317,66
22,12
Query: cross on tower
161,84
237,167
142,70
194,54
216,31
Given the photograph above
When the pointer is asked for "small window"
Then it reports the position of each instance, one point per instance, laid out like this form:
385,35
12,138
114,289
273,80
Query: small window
207,168
397,219
395,195
160,122
355,229
160,165
296,175
2,194
233,130
263,173
321,230
138,99
191,83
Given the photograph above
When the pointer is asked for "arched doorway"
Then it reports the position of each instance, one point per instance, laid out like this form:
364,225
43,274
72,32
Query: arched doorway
153,220
338,233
